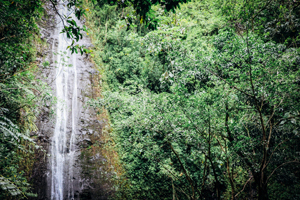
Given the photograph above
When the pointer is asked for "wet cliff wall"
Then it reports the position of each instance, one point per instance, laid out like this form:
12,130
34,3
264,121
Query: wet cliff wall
84,174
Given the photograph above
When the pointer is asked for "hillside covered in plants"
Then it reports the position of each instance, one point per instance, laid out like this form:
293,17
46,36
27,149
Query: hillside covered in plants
203,101
200,97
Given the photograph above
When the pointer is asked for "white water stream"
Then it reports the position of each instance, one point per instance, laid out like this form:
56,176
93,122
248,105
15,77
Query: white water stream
63,141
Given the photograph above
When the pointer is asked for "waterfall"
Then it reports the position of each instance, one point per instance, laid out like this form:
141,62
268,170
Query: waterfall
63,140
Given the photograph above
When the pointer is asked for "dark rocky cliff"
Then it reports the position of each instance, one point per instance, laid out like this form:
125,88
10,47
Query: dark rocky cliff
90,179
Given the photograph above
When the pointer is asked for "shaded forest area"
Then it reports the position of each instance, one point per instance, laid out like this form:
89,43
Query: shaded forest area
202,96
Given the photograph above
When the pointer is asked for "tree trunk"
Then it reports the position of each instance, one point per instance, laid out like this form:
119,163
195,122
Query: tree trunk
260,181
263,192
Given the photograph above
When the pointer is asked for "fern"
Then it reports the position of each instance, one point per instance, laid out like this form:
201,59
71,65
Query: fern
9,129
8,186
10,133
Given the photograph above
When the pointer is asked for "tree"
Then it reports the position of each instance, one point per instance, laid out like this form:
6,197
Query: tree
215,106
264,80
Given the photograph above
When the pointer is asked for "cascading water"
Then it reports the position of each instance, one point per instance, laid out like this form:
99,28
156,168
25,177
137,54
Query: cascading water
63,141
75,170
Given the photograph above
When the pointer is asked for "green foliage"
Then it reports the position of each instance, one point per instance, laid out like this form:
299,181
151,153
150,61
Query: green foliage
17,17
21,94
143,9
7,185
274,20
206,105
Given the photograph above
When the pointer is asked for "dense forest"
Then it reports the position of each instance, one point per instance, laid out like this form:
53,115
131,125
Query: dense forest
202,96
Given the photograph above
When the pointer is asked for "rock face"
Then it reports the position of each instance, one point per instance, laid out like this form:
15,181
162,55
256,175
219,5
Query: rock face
68,128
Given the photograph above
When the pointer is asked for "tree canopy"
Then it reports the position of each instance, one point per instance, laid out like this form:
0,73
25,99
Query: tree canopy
205,106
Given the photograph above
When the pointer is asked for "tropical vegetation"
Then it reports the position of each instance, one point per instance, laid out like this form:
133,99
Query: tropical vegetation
202,96
203,101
